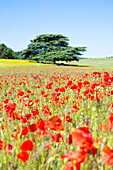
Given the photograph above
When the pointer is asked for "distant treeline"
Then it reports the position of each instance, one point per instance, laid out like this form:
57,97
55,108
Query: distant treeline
45,48
110,57
7,53
19,54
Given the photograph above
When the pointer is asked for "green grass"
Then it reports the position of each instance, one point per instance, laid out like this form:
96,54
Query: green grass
97,63
103,63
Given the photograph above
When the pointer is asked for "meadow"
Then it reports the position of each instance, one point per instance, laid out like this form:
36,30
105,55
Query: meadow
56,117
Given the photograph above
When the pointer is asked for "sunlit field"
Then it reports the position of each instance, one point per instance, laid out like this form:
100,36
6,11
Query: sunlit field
55,117
16,63
98,63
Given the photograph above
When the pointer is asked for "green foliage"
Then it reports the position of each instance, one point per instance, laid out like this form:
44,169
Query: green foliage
18,54
51,47
6,53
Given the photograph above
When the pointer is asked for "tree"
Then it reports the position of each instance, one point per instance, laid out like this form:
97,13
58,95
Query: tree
18,54
51,47
6,53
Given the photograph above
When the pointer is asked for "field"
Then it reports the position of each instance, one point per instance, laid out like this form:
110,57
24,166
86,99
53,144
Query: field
98,63
56,117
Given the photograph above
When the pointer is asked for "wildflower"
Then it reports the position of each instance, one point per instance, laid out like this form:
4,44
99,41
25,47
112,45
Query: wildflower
107,156
33,127
56,137
43,126
34,111
30,103
8,148
78,157
10,107
46,111
67,118
69,83
62,89
21,93
110,118
1,145
23,155
56,123
27,145
82,138
74,109
23,131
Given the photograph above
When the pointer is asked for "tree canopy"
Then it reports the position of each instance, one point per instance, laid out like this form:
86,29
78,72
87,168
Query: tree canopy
51,47
6,53
18,54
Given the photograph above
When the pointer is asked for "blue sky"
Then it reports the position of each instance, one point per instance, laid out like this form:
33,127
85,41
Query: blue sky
85,22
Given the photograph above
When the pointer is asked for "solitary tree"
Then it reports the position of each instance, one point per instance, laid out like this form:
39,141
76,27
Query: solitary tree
6,53
51,47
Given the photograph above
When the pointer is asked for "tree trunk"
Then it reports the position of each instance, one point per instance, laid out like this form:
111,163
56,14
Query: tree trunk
54,61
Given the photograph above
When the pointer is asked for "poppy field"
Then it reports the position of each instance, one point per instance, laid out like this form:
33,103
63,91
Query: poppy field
56,118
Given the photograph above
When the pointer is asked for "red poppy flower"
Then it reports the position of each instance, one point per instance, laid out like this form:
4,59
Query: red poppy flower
110,106
107,156
74,87
37,100
9,92
27,145
77,156
74,109
110,117
67,118
57,137
69,140
62,89
1,145
82,138
56,123
49,86
69,166
8,148
106,126
33,127
69,83
41,124
6,101
43,132
21,93
24,131
56,99
46,95
57,89
10,107
86,83
29,91
111,92
28,116
42,92
80,84
86,92
30,103
79,137
101,95
23,155
15,115
62,102
46,111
